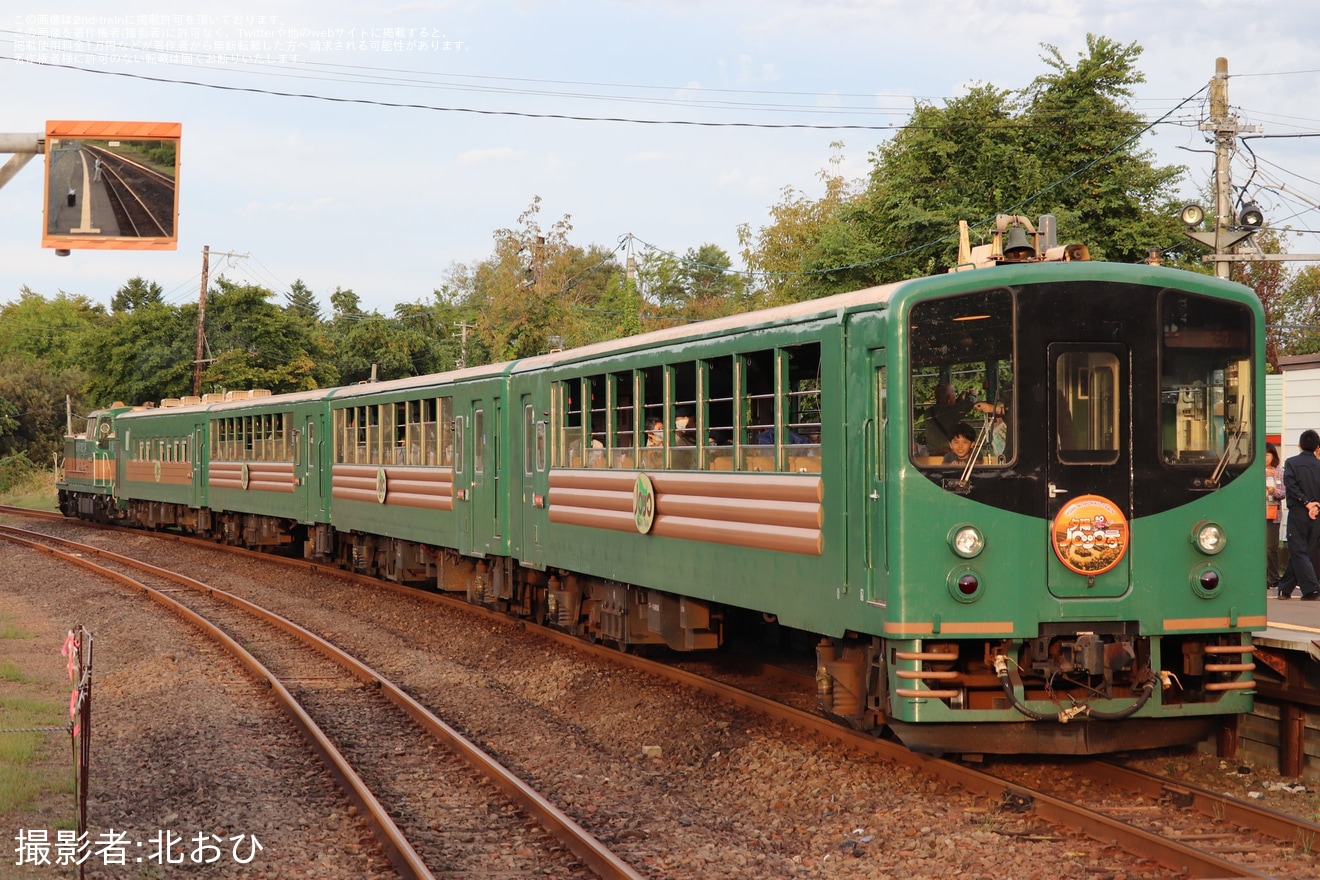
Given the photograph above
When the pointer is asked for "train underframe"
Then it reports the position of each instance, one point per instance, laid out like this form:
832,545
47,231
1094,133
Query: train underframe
1075,689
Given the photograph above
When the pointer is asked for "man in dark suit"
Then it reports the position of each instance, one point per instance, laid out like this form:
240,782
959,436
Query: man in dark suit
1301,480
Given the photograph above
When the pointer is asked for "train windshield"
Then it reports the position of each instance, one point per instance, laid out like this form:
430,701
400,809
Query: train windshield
1205,380
963,377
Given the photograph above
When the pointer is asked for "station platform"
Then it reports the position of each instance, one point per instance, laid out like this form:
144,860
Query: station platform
1293,626
1284,727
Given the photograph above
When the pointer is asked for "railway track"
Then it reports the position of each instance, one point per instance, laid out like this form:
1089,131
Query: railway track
376,740
1186,830
142,198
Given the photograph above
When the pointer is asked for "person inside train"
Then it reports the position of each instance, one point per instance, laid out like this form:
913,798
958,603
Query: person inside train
946,414
655,432
685,427
961,441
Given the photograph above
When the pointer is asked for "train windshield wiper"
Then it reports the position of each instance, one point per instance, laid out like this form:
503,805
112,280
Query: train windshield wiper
1230,447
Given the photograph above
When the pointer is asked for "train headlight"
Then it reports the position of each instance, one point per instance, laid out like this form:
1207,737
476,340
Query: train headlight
1209,538
965,584
967,541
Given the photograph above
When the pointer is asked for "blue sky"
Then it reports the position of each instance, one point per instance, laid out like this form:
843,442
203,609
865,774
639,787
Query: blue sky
384,200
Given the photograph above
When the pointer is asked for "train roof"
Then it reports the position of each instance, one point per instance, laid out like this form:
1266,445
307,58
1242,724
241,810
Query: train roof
812,308
426,380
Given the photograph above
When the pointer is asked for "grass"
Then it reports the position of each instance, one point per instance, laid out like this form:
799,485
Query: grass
24,774
33,764
36,491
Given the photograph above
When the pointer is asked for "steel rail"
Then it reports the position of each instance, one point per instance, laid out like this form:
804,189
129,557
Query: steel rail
1137,841
400,852
1280,826
564,828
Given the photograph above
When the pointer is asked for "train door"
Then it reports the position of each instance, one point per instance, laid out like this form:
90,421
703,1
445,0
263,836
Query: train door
533,468
463,478
310,474
1089,469
484,506
877,545
195,459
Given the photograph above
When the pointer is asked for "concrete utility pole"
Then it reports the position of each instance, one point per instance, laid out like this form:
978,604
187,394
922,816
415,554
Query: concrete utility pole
1230,231
1225,126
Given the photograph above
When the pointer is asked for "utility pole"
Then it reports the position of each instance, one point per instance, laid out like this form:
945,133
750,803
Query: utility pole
1225,126
201,322
464,327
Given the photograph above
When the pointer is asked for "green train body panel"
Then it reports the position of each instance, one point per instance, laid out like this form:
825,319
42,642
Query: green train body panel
160,460
266,454
440,480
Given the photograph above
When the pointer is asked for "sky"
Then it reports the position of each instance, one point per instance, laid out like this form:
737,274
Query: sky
343,190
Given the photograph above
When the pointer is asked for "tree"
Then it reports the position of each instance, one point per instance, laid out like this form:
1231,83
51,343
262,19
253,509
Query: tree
363,344
1065,145
1271,280
142,355
256,344
784,254
136,294
32,407
699,286
537,285
302,302
51,331
1299,327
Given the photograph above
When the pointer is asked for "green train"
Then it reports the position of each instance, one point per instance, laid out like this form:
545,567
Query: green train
1016,508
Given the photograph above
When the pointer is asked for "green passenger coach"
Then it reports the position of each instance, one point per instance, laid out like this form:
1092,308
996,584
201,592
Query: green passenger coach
1005,504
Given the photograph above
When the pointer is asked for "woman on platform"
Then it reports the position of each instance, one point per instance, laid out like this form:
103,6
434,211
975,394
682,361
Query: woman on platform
1274,493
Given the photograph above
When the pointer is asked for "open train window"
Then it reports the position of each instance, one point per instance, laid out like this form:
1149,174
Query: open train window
1205,380
963,377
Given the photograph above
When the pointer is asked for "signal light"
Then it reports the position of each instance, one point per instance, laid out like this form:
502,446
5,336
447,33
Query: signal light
1251,217
1192,215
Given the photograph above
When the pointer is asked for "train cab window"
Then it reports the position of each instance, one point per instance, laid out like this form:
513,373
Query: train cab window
1205,381
963,374
528,432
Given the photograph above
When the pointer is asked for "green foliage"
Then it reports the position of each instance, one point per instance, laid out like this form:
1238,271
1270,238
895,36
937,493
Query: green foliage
1065,145
805,237
36,491
145,354
1299,329
16,470
697,287
257,344
137,293
32,407
538,291
49,331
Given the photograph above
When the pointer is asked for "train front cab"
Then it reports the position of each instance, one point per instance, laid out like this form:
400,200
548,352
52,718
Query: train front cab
1090,583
